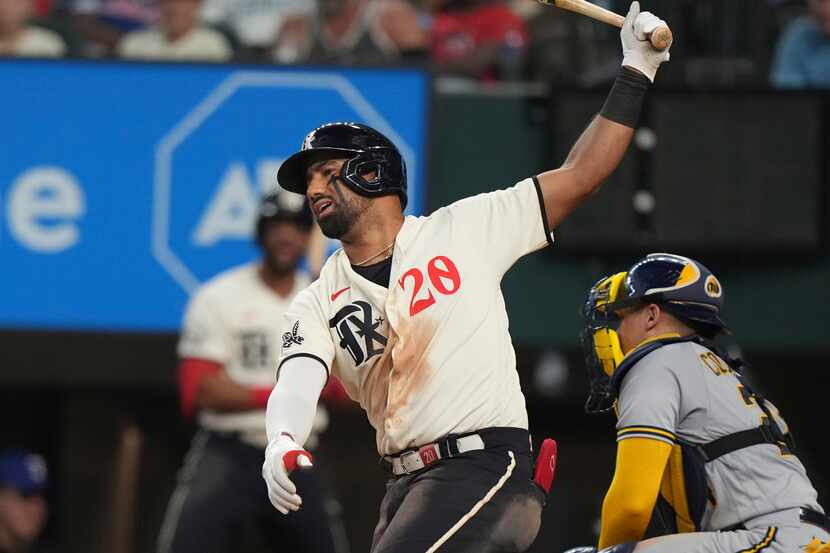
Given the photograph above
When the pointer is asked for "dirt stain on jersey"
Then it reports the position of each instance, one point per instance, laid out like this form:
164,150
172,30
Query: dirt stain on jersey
377,383
410,370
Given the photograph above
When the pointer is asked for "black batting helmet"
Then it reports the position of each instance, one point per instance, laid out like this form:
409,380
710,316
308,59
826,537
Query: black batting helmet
283,206
368,152
682,286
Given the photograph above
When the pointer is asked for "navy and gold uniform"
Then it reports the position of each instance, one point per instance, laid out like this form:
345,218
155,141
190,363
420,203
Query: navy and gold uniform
701,456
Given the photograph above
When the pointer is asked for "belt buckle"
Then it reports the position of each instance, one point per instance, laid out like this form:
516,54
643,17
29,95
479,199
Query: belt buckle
404,457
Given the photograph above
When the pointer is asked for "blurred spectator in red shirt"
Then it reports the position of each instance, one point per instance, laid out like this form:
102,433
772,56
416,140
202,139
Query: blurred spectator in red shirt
482,39
42,8
349,32
102,23
17,38
178,37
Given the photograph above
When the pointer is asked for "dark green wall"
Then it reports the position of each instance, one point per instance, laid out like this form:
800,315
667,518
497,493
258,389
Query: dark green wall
483,143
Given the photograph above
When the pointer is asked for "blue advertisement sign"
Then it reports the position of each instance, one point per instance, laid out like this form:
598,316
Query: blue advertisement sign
123,187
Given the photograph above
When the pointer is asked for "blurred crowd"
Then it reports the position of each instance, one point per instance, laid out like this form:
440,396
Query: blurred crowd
740,42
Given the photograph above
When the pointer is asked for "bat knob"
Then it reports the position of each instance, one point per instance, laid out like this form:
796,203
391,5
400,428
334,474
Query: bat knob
661,38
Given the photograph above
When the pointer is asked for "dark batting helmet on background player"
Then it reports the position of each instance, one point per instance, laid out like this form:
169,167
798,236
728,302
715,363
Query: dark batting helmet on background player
281,250
692,458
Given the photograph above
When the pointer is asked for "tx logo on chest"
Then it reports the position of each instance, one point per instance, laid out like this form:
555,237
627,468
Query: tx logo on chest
357,326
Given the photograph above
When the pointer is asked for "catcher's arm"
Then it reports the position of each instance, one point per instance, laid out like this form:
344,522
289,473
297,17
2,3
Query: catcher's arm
630,500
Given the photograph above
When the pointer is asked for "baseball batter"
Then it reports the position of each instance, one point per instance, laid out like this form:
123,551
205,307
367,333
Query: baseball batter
409,315
229,346
700,454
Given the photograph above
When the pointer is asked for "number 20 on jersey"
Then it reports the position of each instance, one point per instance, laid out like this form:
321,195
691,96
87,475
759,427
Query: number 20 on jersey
444,279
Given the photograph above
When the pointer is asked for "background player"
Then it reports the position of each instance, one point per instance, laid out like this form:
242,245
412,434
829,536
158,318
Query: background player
410,316
690,447
229,346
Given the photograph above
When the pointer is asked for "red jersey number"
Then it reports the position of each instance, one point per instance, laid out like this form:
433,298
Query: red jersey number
443,276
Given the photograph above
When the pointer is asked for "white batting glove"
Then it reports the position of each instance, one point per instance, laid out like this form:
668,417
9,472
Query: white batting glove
638,53
282,456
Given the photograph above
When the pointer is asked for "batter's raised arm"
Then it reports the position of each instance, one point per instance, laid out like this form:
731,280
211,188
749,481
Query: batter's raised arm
602,145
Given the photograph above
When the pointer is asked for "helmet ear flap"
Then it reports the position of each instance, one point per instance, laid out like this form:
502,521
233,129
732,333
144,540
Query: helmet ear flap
608,349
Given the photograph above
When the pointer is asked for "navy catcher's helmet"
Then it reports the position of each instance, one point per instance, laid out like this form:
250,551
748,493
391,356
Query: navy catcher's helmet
283,206
367,151
682,286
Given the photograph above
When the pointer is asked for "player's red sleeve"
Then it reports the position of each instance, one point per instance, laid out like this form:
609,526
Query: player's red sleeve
259,396
334,392
191,372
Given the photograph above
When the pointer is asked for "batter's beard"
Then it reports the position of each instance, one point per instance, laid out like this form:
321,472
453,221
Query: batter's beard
336,225
343,216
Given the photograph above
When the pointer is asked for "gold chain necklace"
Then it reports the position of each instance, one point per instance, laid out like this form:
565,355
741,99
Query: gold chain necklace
384,250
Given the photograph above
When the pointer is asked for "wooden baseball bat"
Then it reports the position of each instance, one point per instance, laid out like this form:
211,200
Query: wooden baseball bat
660,38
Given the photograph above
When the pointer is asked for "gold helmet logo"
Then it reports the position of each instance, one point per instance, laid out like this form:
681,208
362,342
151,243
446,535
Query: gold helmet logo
712,287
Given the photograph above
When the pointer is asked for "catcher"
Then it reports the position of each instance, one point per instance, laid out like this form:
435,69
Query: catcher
700,456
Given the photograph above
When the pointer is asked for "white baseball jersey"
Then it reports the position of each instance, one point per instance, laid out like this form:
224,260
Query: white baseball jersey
236,320
431,355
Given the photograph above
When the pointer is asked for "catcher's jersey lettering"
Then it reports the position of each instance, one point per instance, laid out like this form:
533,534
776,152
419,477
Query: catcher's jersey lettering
748,398
439,269
431,354
715,364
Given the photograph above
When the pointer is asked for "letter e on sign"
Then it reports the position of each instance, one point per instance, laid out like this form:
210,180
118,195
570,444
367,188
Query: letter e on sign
44,206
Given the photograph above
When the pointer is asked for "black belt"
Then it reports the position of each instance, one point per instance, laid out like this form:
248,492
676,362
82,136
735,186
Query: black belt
809,516
517,439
